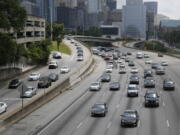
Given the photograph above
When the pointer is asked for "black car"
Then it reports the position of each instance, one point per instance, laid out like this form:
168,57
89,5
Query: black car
149,82
44,82
127,59
106,78
129,53
130,118
151,99
99,109
53,77
134,79
14,84
155,65
148,73
114,86
168,84
131,64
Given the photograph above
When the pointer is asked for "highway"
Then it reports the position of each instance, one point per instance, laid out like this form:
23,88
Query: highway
73,118
12,96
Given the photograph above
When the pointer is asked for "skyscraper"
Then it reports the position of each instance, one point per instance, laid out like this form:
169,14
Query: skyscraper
112,4
134,19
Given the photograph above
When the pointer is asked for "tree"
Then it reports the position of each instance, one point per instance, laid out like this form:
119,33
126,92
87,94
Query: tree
57,32
12,15
93,31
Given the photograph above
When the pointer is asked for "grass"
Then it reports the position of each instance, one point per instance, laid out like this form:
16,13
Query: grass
63,48
172,51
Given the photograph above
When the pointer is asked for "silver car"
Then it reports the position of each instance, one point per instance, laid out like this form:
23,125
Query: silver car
30,92
95,86
132,90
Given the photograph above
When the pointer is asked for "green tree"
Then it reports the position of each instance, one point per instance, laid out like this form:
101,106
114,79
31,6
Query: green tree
93,31
12,15
57,32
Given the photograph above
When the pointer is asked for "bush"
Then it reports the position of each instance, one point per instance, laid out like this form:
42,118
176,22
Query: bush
39,52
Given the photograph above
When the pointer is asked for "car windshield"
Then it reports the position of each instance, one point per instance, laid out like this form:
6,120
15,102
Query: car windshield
99,106
132,88
95,84
151,95
129,114
34,74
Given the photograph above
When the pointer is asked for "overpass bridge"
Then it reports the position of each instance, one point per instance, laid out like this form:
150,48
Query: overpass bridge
94,39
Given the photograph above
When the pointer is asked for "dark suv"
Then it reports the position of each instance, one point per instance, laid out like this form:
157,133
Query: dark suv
148,73
151,99
106,78
99,109
44,82
134,79
129,118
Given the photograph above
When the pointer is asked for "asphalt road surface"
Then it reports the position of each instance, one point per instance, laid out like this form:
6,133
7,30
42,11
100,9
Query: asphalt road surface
76,119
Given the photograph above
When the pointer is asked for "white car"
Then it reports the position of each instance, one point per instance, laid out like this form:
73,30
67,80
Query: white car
80,58
34,76
134,70
3,107
57,55
64,69
122,65
53,65
132,90
109,70
148,62
119,61
110,65
164,63
122,71
95,86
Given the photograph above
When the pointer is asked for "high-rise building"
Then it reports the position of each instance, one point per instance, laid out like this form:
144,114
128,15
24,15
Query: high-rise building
112,4
151,7
95,6
134,19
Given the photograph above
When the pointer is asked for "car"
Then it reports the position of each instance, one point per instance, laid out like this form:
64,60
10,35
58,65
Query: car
148,73
146,55
129,53
109,70
114,86
123,57
80,58
80,54
164,63
160,55
132,90
3,107
127,59
64,69
148,62
134,70
119,61
44,82
149,82
57,55
105,78
122,70
29,92
129,118
168,84
53,65
139,55
121,65
110,64
131,63
15,83
34,76
53,77
99,109
134,79
155,65
151,99
160,70
95,86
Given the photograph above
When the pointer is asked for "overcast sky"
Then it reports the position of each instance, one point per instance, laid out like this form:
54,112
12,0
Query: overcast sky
170,8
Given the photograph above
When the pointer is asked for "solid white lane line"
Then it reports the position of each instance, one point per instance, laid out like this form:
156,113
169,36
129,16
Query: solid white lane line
80,124
167,122
139,123
109,125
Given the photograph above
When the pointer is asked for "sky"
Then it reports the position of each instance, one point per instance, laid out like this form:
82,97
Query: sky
170,8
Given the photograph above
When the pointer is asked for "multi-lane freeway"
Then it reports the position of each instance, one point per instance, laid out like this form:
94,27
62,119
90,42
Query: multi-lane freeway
70,113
